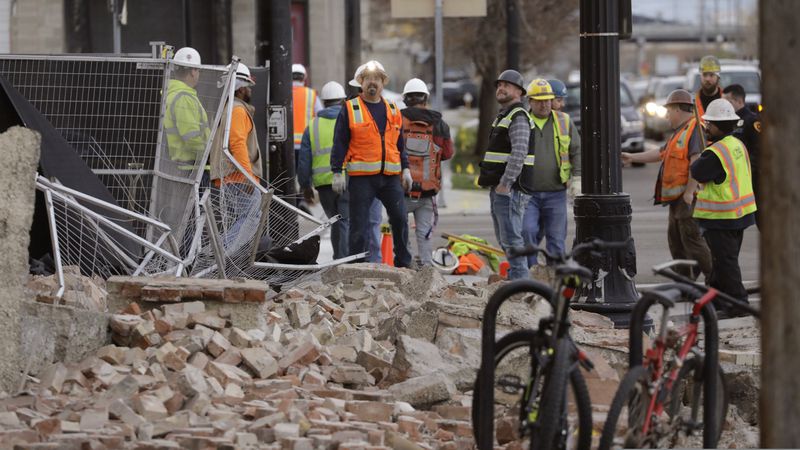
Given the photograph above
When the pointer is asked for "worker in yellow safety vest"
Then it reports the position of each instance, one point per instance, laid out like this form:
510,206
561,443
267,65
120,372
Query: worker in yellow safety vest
725,204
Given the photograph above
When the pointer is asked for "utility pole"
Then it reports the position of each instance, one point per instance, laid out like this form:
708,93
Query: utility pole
603,211
439,52
780,243
352,37
187,23
512,35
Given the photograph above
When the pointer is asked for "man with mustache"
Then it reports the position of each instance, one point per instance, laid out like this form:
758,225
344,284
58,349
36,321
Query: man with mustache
710,89
368,140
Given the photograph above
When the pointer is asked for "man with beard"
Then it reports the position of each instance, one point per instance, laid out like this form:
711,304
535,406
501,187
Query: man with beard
507,168
368,138
710,89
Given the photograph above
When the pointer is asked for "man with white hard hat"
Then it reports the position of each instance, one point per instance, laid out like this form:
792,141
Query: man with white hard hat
314,166
368,138
305,103
725,203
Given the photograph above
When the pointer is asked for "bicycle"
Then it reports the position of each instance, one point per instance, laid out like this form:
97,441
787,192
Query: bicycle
651,395
543,413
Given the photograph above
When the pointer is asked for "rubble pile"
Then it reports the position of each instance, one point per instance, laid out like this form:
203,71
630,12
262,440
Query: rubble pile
366,357
80,291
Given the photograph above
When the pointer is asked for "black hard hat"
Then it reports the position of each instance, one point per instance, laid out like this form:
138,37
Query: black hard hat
513,77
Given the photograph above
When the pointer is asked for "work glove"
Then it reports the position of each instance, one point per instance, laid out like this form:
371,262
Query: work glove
407,181
574,187
339,183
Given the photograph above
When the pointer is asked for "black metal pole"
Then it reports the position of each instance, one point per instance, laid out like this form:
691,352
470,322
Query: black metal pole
352,39
603,211
512,35
187,23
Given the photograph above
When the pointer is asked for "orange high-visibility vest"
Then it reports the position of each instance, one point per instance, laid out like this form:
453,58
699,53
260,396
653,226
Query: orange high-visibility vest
699,104
675,157
303,101
369,152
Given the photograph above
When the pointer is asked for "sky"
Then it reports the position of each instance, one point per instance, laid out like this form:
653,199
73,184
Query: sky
689,10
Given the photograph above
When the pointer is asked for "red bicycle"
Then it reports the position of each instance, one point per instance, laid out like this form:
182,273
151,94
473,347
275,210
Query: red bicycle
670,392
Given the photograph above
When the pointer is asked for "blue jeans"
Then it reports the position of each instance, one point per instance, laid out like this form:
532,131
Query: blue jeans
507,213
547,210
333,204
374,236
386,188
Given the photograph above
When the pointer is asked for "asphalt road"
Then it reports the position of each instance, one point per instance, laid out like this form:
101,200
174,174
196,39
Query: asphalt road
467,212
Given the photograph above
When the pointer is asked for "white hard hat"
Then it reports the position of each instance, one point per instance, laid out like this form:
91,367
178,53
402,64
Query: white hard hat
444,260
332,91
243,77
415,85
354,82
298,68
187,56
371,66
720,110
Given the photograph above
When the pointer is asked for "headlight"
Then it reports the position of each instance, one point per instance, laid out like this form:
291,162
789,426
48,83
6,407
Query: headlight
760,107
661,111
651,108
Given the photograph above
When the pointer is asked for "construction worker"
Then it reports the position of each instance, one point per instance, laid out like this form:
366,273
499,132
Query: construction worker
507,168
674,186
710,89
749,130
427,143
725,204
314,166
560,93
305,103
557,150
368,136
185,119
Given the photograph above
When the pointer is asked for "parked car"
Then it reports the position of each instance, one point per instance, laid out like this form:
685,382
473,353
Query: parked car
653,110
731,72
631,126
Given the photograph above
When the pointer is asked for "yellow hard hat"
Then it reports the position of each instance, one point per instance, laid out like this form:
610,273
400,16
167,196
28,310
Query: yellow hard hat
540,89
709,63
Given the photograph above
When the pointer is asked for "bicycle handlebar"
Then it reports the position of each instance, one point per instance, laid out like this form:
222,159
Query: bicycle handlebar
665,269
591,245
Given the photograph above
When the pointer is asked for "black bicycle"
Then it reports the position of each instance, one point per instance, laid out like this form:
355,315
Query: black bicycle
532,368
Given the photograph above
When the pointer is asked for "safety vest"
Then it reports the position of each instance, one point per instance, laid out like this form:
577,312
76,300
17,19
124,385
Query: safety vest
424,157
733,198
303,101
185,124
320,130
371,152
675,163
699,104
561,139
495,158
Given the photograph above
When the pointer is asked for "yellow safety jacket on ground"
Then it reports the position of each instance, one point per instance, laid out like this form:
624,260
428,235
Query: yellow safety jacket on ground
186,124
320,132
733,198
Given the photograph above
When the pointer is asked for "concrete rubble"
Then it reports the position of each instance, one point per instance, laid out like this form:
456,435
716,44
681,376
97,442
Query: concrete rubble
366,357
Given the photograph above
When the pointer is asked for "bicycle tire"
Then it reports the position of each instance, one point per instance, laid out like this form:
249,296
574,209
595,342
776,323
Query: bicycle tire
553,392
521,338
689,383
632,389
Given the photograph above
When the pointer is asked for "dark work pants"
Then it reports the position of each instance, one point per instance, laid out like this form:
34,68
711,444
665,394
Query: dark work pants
725,273
685,242
386,188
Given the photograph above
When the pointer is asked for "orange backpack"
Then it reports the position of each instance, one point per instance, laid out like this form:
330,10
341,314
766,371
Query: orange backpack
424,157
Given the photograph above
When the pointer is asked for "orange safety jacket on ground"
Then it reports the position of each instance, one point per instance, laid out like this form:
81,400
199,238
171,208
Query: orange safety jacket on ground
675,162
371,152
303,101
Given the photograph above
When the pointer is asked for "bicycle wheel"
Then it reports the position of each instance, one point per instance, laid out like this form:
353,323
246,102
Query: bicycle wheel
515,365
554,375
686,407
627,414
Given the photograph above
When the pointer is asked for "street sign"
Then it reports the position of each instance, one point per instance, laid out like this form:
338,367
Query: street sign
414,9
276,124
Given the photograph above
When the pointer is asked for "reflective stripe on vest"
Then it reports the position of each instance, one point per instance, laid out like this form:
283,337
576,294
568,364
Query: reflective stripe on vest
675,172
733,198
561,142
495,157
303,105
369,153
321,137
504,122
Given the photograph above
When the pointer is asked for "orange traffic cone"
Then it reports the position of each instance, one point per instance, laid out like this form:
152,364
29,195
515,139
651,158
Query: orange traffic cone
387,249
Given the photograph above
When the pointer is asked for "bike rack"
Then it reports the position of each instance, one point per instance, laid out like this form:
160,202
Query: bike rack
711,360
485,417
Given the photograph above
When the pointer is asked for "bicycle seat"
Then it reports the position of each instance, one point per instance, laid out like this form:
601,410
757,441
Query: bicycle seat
666,297
580,271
